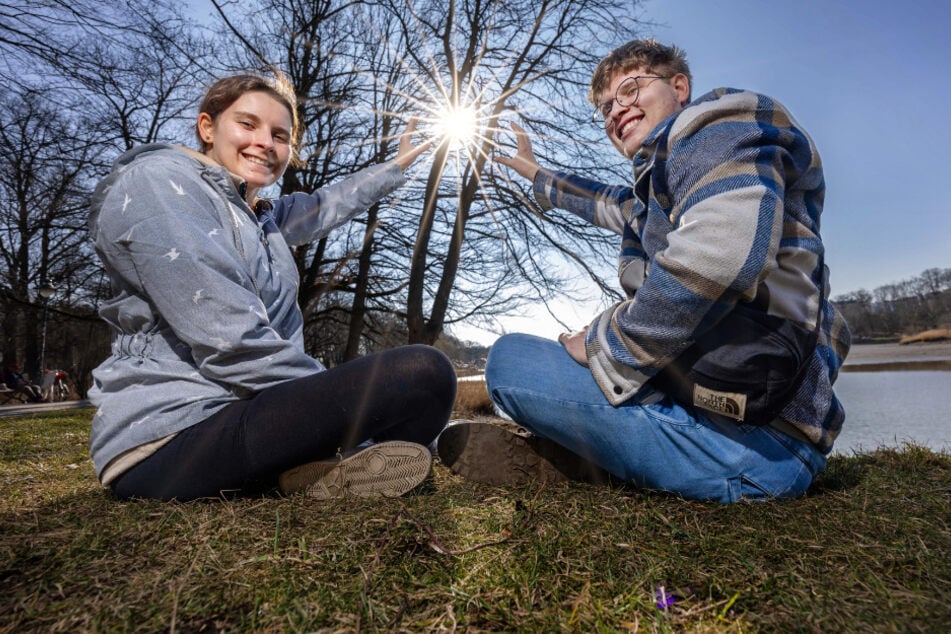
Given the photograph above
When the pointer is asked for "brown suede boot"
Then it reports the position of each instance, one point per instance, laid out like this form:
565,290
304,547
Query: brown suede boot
504,453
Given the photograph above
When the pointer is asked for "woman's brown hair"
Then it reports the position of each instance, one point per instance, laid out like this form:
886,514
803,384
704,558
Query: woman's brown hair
226,91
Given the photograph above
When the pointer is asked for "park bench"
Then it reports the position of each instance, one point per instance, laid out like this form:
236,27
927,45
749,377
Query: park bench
7,395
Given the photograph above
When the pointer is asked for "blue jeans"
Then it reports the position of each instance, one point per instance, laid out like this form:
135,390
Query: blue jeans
661,446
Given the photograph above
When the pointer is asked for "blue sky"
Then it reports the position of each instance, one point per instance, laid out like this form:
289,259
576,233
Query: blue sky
869,81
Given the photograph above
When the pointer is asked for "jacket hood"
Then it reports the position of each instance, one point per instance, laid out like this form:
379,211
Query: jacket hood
184,156
645,156
122,163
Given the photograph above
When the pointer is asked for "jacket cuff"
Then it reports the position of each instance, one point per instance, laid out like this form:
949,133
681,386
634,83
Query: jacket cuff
544,182
618,382
393,175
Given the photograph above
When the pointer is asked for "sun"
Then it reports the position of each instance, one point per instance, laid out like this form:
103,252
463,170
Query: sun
458,124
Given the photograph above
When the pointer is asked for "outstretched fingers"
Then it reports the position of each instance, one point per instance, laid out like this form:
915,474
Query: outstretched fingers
524,162
408,152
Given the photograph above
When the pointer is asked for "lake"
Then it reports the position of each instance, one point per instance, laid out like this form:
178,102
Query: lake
907,401
886,409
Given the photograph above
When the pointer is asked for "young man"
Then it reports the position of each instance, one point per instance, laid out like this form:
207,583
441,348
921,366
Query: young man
724,211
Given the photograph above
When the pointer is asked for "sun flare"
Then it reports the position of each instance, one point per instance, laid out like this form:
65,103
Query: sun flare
457,124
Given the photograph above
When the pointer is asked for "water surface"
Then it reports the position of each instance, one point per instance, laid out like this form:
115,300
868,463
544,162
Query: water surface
888,409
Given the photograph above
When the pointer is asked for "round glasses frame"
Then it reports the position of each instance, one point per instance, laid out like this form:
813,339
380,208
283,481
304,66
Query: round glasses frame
626,94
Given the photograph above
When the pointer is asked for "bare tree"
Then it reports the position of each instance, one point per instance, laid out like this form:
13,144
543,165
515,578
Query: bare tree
373,286
857,308
35,35
87,80
464,243
482,246
143,83
900,308
42,214
929,288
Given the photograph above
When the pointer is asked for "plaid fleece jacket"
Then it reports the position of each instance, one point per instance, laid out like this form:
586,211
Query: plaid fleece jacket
725,208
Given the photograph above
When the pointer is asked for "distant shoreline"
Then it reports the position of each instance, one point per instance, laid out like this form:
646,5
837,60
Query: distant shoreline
862,357
879,357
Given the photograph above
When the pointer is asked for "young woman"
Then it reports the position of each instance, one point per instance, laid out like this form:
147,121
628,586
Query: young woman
208,388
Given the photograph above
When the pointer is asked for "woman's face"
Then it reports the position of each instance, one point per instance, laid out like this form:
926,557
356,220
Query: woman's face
252,138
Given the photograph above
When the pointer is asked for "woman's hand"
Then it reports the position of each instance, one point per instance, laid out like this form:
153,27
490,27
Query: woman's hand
574,345
408,152
524,162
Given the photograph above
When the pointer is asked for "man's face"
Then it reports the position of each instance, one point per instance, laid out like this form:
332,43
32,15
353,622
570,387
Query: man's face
628,126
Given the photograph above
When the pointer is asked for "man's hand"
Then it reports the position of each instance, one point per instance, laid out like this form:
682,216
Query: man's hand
408,152
574,345
524,162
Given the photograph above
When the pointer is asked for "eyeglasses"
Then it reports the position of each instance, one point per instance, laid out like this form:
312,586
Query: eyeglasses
625,95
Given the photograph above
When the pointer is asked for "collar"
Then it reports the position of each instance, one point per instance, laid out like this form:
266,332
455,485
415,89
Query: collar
644,158
239,183
260,204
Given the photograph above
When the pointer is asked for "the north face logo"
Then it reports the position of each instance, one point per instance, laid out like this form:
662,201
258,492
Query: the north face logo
729,404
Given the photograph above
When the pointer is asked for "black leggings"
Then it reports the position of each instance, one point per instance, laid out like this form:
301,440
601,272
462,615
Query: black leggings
402,394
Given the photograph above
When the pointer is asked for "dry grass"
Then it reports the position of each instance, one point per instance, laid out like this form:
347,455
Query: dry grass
869,549
937,334
472,400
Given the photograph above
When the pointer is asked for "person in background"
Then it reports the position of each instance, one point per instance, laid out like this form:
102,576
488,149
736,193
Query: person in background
208,388
13,378
724,210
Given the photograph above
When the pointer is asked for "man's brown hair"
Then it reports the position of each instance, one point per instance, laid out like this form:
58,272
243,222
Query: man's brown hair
650,56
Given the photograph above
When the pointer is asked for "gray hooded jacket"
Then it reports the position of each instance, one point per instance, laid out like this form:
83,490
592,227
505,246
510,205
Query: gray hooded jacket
204,293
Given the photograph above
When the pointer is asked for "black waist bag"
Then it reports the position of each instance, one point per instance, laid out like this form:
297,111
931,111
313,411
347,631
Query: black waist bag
748,367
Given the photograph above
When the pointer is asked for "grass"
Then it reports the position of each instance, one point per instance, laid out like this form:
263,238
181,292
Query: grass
472,400
936,334
868,549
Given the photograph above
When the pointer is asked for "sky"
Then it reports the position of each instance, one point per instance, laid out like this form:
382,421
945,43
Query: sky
869,81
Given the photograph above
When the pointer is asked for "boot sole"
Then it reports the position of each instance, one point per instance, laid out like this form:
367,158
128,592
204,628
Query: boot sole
387,469
491,454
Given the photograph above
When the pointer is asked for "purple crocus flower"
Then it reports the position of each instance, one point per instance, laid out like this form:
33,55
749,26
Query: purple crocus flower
663,598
